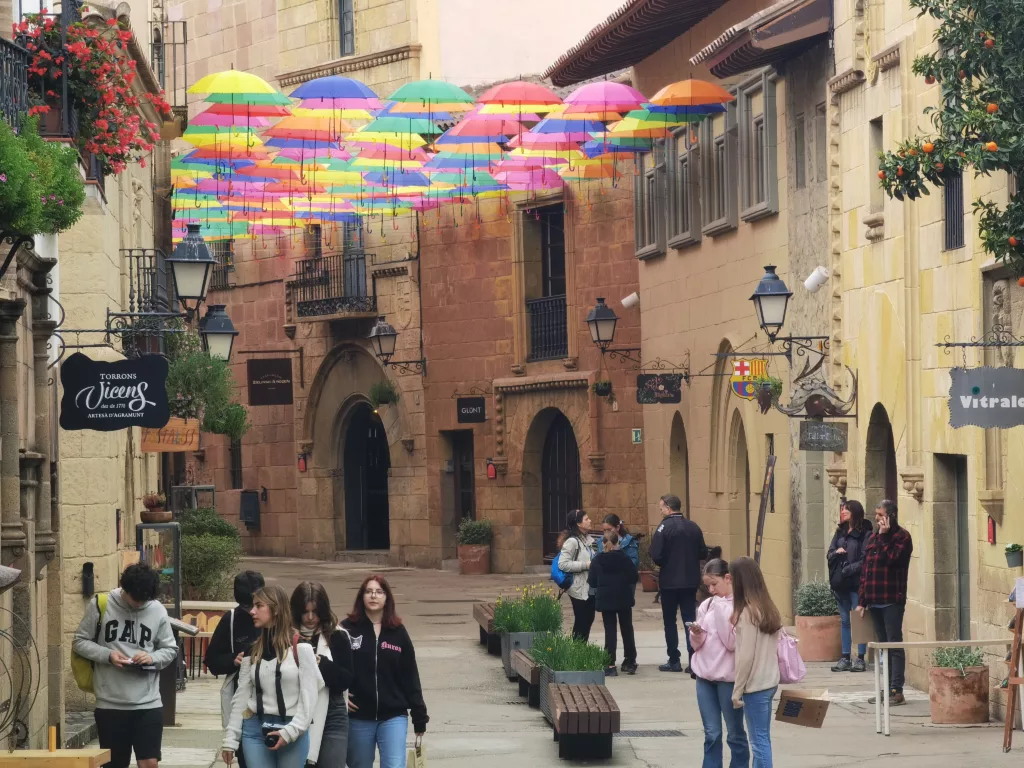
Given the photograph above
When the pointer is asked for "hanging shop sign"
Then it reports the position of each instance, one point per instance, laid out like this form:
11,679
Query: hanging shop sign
986,397
824,435
177,436
105,397
744,373
270,381
766,495
471,410
653,388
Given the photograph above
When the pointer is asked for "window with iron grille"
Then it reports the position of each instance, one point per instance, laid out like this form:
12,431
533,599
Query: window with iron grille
312,239
719,174
346,15
757,121
953,198
800,152
684,222
821,143
876,143
235,450
650,198
544,230
352,235
224,252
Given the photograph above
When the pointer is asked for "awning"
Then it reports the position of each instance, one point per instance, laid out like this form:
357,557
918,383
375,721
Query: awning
779,32
630,35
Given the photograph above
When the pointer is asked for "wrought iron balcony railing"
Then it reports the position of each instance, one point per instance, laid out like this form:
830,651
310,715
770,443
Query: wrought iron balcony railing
148,287
331,286
549,337
14,62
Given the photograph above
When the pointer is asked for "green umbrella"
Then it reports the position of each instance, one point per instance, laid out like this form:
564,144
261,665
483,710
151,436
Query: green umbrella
271,99
394,124
435,91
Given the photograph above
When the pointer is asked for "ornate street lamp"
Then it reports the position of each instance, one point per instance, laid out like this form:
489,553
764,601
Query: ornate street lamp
770,302
191,265
602,320
217,332
384,338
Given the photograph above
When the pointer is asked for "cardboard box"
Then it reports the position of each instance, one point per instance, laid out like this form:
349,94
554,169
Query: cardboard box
862,628
802,707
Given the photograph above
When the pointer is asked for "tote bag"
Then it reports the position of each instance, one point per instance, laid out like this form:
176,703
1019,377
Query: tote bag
416,758
791,666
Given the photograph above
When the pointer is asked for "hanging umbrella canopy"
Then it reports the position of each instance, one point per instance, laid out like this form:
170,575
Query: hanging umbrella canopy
252,99
322,128
343,106
334,87
223,120
403,125
689,93
244,109
232,81
520,114
517,93
433,92
614,97
575,127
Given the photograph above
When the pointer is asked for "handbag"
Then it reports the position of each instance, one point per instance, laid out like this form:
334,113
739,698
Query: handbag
227,690
791,666
415,758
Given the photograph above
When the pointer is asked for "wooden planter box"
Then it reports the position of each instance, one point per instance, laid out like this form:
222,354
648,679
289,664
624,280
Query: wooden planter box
549,677
514,641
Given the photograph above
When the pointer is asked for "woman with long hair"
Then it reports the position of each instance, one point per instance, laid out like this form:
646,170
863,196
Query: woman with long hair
318,626
278,684
713,637
386,680
628,543
757,622
845,562
574,558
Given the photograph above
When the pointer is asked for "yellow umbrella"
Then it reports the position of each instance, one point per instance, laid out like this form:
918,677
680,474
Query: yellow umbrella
232,81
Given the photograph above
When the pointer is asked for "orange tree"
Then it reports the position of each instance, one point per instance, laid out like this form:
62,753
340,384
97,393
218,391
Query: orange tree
979,122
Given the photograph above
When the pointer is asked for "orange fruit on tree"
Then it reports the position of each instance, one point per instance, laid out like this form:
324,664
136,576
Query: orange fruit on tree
990,43
962,74
881,174
930,79
1020,282
940,167
927,147
899,171
992,108
991,146
1012,241
912,153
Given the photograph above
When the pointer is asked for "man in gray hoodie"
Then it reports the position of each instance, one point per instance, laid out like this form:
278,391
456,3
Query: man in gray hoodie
128,646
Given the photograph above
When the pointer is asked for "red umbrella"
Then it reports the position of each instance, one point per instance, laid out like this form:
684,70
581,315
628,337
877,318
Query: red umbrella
519,92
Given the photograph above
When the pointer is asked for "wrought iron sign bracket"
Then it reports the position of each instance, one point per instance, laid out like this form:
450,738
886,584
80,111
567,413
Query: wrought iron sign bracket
16,241
657,365
473,392
800,345
999,336
408,367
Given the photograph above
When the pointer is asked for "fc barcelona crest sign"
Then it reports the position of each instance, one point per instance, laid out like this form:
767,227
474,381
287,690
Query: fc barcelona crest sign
744,374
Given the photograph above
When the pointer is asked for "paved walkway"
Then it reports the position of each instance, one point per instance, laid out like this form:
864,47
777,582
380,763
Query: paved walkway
477,718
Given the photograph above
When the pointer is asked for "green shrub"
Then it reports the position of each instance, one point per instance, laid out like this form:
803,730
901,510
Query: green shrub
646,563
382,393
206,563
21,207
1011,548
536,609
816,599
958,658
205,521
567,654
475,532
61,189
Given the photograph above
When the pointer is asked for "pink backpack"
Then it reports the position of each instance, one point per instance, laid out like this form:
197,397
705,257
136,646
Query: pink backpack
791,666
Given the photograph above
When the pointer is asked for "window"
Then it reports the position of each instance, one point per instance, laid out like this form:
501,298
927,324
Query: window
312,239
545,281
876,141
346,16
465,486
235,450
649,201
684,221
552,249
821,143
718,172
224,252
799,153
953,199
758,145
352,235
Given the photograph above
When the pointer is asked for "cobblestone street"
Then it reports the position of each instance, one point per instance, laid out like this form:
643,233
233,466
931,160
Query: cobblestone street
477,719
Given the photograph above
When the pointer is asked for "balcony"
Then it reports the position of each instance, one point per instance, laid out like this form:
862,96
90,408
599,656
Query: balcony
148,291
13,82
549,336
331,288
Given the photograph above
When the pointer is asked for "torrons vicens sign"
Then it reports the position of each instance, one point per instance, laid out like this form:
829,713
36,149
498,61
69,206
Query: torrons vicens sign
109,396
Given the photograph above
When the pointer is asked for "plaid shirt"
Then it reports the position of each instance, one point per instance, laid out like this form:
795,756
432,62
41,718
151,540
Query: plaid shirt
886,565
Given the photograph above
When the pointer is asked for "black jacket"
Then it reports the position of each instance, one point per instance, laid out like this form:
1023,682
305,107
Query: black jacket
336,671
613,578
678,547
844,570
219,658
386,681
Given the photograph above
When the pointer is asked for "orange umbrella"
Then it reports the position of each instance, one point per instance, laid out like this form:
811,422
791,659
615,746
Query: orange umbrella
691,93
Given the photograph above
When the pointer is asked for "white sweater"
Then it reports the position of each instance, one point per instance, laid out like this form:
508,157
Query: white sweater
575,559
299,686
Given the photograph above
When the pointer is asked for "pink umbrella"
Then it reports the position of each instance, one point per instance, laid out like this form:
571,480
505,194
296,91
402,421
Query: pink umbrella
611,97
210,118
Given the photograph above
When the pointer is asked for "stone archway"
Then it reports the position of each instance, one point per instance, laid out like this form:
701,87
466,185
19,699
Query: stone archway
679,463
552,484
739,489
881,479
366,462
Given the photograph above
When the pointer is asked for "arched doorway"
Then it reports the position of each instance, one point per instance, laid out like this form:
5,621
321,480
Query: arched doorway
739,489
880,476
679,463
561,486
367,461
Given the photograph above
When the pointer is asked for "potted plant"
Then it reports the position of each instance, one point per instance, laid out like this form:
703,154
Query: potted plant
1014,555
958,687
817,622
602,388
566,660
474,546
769,390
155,512
648,570
518,620
382,393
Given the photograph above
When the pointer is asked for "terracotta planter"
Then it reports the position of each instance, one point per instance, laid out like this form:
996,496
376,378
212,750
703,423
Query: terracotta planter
474,559
649,581
957,699
156,515
819,638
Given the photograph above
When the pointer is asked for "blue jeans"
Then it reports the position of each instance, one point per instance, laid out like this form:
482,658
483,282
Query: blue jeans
364,736
715,702
847,603
757,709
258,756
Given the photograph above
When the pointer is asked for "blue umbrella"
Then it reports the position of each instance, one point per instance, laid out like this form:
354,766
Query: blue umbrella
333,87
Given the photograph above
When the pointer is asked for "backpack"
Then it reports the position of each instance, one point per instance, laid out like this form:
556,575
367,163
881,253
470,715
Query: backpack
562,579
791,666
81,667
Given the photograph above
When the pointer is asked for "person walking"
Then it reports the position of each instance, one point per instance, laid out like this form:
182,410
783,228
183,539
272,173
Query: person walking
883,588
713,637
318,626
232,639
677,548
628,543
574,558
127,636
757,622
613,577
278,685
386,681
845,560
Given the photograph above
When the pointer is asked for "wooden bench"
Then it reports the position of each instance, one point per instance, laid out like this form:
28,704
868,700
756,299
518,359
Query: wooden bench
528,672
585,717
484,615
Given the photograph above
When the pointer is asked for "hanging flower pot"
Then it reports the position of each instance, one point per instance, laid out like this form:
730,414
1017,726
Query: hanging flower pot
602,388
382,393
1014,556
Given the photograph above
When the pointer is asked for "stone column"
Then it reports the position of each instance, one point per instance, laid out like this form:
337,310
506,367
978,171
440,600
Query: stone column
46,543
12,534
